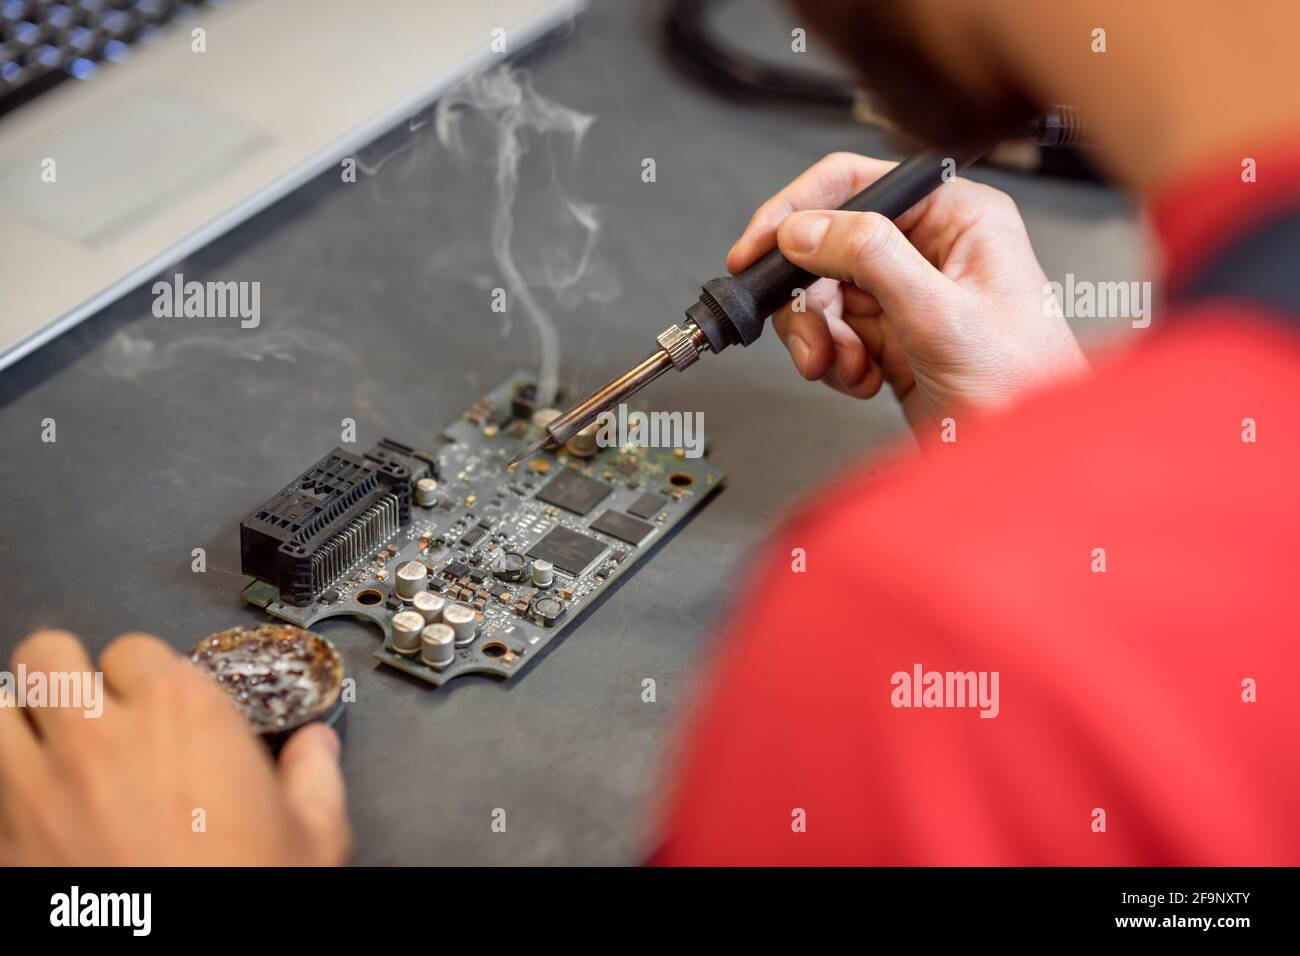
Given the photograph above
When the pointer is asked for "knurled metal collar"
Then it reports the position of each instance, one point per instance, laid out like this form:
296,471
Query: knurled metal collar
680,346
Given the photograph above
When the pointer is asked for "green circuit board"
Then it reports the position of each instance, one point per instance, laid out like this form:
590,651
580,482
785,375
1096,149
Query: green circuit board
592,518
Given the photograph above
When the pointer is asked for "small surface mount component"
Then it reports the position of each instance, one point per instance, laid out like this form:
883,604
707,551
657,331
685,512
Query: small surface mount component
465,564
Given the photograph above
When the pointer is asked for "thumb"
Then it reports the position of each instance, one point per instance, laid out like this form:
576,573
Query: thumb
313,787
868,250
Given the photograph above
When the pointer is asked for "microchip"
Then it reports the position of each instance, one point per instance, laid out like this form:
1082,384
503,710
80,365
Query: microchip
456,569
621,526
472,537
574,491
570,551
647,505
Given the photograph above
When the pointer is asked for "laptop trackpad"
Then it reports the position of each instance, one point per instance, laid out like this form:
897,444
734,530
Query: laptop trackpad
122,167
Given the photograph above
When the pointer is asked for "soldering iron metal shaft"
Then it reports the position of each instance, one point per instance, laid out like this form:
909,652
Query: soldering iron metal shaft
679,347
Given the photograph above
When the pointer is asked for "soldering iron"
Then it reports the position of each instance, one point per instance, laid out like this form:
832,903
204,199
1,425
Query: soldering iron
733,309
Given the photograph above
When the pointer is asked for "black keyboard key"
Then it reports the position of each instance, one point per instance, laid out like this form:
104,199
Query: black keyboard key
44,43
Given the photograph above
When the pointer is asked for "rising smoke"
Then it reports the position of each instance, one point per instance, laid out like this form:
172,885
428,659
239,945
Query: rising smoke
504,103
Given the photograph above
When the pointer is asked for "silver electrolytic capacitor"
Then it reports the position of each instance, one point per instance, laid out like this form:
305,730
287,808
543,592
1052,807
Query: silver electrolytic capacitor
462,620
438,645
583,444
426,492
543,573
410,579
429,605
407,626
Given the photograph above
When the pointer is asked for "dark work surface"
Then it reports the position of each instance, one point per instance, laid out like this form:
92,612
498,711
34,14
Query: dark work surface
375,306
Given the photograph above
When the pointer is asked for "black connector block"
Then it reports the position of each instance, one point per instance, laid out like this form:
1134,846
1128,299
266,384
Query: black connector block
325,518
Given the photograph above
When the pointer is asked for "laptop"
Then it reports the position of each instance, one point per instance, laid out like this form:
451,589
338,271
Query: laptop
132,132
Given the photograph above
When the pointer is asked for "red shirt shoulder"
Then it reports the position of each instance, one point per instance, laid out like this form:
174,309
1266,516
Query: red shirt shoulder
1067,638
1115,552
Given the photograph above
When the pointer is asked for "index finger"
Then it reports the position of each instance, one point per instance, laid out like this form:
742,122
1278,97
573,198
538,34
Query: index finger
134,661
68,673
827,184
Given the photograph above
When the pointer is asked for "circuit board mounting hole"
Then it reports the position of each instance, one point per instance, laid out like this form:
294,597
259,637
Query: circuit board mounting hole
681,479
370,597
494,649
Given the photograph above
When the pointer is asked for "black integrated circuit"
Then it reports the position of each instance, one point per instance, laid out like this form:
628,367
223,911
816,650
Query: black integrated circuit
621,526
647,506
574,491
570,551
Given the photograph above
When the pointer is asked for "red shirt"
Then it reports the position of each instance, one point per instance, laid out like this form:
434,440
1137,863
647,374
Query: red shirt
1124,691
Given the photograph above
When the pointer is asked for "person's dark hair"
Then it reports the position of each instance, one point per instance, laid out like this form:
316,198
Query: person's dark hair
880,41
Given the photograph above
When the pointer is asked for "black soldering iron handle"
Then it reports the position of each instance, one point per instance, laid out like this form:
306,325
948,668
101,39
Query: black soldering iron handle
733,309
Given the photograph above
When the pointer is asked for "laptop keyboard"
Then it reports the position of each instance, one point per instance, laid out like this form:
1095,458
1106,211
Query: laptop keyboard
44,42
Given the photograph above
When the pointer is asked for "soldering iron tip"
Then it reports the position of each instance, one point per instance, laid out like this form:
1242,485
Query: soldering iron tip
528,452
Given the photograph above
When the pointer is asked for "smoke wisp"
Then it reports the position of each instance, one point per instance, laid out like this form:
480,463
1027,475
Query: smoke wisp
506,113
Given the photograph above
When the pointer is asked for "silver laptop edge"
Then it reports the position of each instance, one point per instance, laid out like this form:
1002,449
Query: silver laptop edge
524,31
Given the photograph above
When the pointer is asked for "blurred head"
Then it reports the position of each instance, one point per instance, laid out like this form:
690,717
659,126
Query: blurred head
894,48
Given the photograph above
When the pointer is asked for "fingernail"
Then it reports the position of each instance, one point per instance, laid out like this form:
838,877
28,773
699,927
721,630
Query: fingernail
804,231
799,352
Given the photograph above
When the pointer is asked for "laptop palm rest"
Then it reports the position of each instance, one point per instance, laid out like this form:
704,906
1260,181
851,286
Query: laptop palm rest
116,171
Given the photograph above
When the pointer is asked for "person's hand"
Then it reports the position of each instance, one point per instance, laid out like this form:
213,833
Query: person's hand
949,306
168,774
